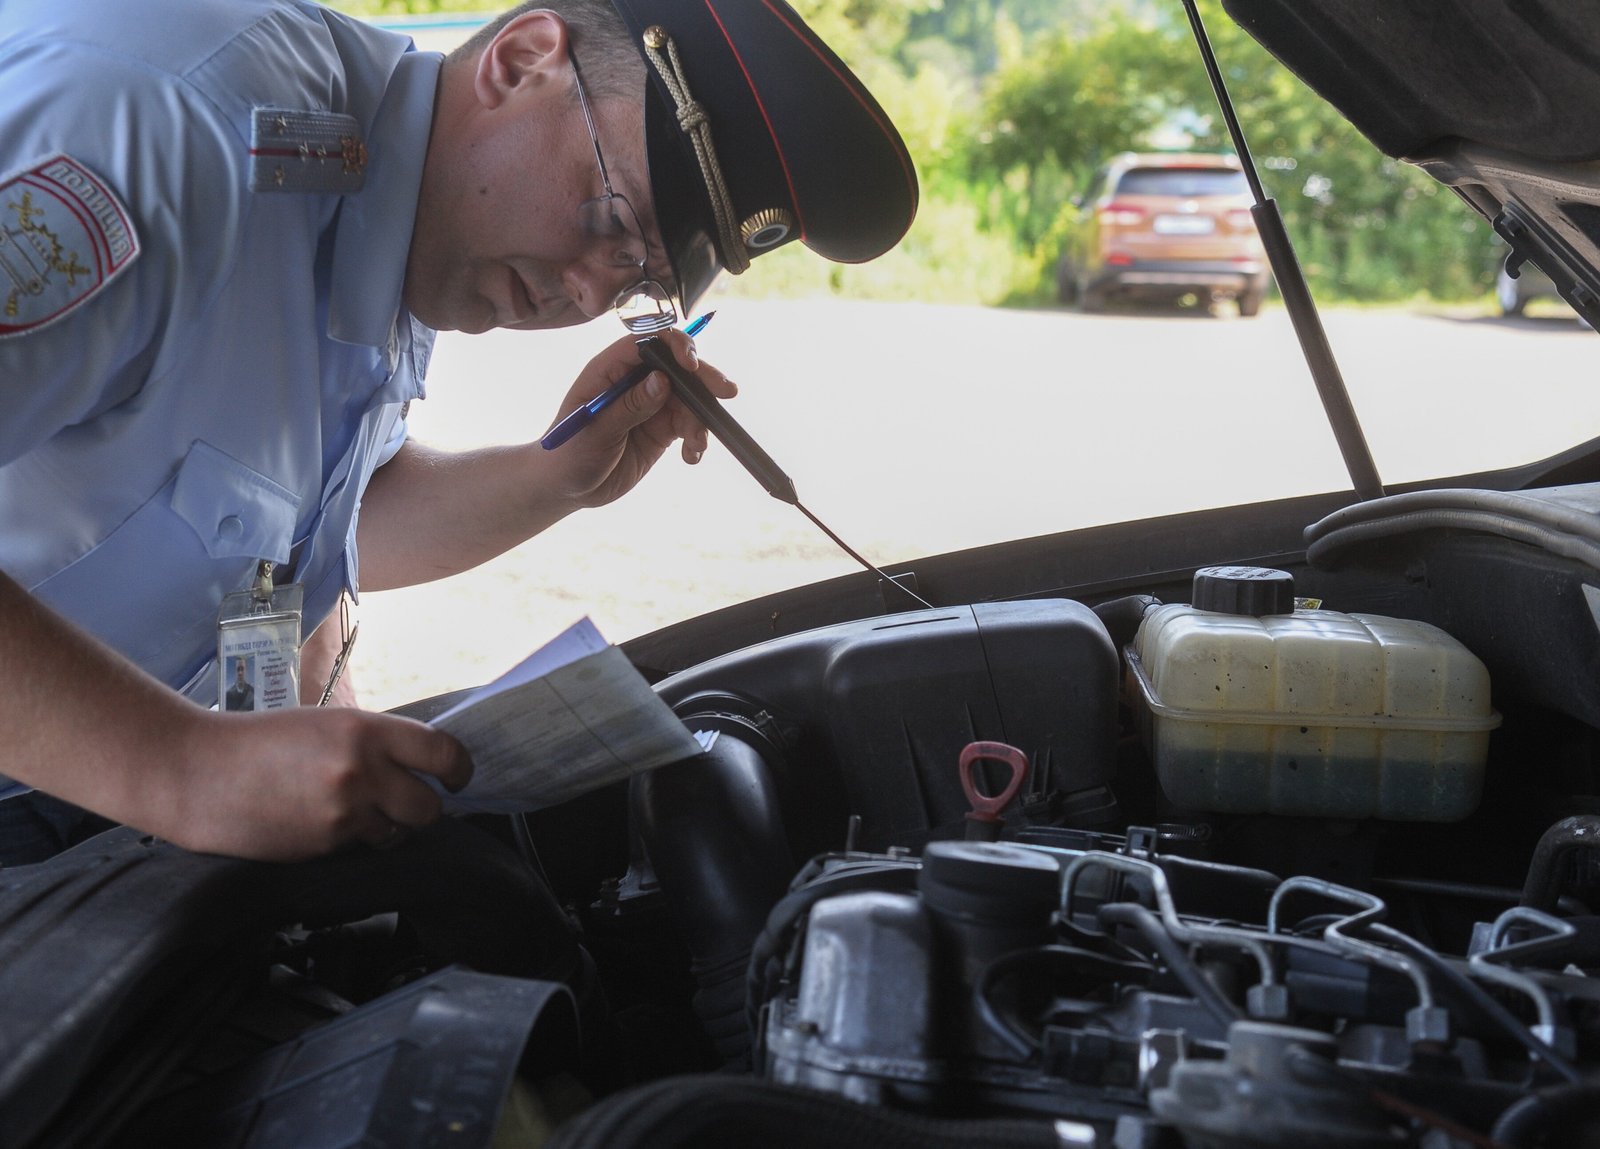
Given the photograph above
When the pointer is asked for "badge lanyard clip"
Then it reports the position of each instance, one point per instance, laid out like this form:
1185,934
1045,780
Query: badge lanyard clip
347,639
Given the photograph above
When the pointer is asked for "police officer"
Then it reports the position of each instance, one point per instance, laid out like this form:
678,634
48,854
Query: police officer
228,232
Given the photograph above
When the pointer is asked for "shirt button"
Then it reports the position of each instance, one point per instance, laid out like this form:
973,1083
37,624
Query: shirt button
230,528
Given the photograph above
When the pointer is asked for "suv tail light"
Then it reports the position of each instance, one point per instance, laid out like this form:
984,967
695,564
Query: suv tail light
1117,212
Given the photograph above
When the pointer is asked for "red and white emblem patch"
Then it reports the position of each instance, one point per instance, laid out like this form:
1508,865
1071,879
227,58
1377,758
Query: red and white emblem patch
64,235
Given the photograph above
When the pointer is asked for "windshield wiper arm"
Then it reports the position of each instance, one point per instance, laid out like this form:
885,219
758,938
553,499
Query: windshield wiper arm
1296,295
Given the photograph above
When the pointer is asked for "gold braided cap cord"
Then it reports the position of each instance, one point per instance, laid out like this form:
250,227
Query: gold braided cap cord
692,119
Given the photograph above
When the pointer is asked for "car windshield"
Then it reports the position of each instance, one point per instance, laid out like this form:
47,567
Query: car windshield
922,406
1182,182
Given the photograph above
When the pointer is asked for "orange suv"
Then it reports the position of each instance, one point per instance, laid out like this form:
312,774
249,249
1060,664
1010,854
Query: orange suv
1164,226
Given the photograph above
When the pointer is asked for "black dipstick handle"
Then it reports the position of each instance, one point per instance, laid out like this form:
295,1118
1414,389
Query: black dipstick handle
709,410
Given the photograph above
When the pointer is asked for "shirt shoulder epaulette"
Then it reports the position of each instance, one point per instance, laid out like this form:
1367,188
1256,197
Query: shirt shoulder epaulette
306,151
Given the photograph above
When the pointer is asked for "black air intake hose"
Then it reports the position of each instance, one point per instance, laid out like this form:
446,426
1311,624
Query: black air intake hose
714,833
713,1112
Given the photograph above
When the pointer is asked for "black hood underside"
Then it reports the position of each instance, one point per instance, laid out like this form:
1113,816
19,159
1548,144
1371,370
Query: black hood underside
1494,100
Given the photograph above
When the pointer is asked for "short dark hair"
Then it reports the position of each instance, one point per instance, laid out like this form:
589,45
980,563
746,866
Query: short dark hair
612,64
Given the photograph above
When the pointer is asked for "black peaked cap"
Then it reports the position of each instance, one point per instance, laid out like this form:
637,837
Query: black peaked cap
805,151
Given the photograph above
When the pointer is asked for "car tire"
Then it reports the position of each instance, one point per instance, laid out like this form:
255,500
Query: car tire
1511,302
1066,286
1091,300
1250,303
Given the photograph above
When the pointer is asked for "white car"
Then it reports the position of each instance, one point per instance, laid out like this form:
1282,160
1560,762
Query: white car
1514,294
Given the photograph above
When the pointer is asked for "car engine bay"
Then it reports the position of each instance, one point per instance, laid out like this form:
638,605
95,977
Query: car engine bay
928,879
1107,957
1269,825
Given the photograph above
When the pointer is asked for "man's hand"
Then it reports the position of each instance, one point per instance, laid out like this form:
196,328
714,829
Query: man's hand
608,458
289,784
84,724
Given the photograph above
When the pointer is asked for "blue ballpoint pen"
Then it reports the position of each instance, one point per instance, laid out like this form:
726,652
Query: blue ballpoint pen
585,415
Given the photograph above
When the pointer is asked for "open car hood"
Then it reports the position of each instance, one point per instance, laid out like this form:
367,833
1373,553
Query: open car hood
1490,99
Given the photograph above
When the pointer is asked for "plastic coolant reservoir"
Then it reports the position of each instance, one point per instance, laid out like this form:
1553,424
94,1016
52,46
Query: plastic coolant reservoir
1253,706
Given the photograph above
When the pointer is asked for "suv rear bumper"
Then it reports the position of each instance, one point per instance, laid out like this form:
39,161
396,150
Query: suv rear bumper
1174,275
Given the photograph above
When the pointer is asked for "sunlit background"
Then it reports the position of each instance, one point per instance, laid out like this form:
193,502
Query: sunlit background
939,399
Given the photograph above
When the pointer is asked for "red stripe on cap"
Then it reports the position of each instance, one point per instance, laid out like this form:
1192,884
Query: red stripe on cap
884,126
783,160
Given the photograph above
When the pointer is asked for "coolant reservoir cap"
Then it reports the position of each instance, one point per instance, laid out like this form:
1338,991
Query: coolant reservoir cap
1256,591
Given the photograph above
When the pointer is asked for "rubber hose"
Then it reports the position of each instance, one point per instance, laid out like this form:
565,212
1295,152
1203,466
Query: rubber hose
1549,1111
1556,516
713,1112
1322,552
1122,616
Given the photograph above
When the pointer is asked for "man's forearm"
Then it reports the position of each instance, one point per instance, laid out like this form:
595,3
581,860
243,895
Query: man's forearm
428,514
80,721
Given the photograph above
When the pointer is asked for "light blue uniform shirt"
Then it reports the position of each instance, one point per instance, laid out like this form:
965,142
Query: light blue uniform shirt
226,397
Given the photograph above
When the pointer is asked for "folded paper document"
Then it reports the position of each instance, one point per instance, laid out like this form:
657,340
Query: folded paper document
573,716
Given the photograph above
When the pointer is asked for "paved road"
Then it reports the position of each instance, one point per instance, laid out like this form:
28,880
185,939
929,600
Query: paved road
915,429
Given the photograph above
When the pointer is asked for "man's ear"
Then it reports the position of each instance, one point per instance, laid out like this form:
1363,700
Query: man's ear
528,50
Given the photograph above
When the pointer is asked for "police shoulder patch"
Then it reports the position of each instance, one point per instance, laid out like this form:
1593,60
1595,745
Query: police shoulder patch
64,235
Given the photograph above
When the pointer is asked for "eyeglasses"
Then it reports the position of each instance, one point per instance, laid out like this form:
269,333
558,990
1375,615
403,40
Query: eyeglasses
645,306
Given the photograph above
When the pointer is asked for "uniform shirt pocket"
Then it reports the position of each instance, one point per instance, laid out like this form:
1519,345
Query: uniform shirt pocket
234,510
151,587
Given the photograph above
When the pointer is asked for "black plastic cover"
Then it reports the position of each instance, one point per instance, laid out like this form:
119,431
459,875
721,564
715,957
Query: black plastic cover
890,702
102,945
427,1065
1516,77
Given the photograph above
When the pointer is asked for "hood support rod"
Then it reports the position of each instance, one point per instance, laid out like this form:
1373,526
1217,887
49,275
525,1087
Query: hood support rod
1296,295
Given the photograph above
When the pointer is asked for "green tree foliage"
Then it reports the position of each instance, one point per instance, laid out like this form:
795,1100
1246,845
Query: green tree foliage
1070,101
1008,106
950,254
1366,227
1371,228
1057,108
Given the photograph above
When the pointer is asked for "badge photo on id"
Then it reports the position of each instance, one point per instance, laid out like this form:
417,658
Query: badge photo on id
258,646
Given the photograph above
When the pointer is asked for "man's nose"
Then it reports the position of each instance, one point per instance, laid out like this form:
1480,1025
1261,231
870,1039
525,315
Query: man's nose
594,287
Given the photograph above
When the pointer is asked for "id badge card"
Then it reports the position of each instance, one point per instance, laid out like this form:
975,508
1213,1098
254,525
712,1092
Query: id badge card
258,648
